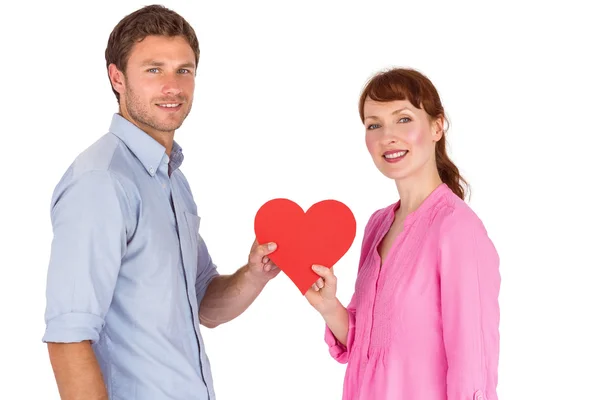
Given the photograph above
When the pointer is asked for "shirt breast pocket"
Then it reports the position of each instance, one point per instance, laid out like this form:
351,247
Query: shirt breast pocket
193,226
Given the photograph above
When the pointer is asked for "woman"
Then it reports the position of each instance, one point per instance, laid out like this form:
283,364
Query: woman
423,321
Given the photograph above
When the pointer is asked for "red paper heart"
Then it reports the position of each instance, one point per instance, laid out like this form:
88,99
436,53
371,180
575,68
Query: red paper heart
322,236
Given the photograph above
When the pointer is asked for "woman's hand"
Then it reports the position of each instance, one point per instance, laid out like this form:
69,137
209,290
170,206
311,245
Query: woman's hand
322,294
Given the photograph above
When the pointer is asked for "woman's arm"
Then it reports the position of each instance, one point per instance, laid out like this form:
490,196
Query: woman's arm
470,284
339,320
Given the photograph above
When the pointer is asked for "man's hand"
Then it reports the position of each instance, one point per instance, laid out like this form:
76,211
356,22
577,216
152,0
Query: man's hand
260,267
228,296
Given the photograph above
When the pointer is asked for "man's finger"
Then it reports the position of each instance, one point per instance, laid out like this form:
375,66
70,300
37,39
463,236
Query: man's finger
267,248
271,267
261,251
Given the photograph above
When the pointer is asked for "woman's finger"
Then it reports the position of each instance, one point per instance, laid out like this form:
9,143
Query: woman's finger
323,272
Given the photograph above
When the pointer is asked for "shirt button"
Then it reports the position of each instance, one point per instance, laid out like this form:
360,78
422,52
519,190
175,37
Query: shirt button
151,170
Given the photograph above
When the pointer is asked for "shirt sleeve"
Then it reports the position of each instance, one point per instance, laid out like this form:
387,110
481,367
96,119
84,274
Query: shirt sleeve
89,241
206,271
338,351
470,283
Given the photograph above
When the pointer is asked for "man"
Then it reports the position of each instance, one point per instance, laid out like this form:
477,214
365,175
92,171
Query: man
130,279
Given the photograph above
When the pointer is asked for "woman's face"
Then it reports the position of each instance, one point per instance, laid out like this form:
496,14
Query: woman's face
400,137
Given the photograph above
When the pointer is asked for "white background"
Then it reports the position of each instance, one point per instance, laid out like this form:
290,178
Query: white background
276,115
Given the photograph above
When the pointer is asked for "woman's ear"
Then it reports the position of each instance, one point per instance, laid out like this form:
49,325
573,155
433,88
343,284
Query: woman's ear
437,129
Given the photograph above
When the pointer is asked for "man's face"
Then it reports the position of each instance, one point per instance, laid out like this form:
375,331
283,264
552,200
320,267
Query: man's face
159,82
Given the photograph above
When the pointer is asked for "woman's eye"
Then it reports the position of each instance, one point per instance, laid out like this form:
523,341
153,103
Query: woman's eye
404,120
373,126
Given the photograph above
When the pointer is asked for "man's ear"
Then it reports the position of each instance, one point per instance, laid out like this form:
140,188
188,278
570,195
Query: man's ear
117,79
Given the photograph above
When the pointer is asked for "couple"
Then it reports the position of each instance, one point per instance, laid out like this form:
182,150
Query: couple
130,279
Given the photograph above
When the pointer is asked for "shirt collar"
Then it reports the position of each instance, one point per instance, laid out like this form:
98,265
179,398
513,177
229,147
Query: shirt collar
434,198
143,146
176,158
